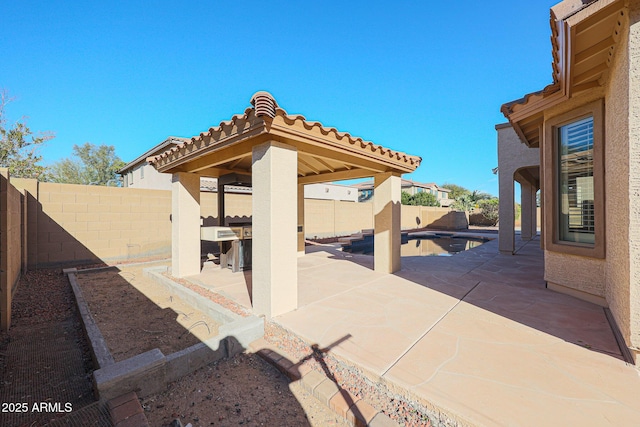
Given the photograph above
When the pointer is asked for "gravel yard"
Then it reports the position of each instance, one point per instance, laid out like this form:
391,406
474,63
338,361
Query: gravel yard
244,390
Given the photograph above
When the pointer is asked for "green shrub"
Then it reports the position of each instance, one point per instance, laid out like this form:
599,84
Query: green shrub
489,208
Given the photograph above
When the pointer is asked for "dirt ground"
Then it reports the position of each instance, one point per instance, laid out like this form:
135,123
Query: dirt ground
44,356
244,390
135,314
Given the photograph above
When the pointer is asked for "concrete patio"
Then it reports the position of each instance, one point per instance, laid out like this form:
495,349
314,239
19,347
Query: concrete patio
475,335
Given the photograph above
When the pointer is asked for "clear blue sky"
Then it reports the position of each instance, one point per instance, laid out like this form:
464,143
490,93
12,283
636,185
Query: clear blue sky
427,79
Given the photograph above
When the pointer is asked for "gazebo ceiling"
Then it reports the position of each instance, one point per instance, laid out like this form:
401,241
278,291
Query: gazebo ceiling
584,35
324,154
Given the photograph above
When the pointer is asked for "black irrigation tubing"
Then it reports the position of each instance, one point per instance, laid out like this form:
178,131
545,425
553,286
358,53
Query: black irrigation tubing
199,322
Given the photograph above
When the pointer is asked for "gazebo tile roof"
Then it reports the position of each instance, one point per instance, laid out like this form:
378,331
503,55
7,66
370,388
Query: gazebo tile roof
266,112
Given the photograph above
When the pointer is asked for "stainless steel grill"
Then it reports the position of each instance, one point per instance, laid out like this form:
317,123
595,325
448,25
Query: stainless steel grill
235,245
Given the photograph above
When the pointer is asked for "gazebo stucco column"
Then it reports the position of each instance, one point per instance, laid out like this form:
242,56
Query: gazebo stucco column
386,211
506,230
185,224
274,225
300,219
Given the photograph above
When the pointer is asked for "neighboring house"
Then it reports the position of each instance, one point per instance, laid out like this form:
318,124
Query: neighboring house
365,191
140,174
330,191
586,125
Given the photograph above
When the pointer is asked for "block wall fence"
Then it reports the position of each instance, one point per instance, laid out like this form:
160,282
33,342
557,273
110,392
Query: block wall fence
12,243
48,224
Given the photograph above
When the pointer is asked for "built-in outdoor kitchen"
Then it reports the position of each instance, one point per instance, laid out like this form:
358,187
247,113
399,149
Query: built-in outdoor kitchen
232,235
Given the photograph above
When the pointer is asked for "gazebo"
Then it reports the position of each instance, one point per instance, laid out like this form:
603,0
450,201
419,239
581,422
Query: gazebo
281,153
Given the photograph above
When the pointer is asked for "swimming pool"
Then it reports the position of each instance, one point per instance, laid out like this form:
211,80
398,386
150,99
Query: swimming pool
436,244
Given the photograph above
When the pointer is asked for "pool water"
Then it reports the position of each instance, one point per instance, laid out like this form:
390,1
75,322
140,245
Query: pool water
425,245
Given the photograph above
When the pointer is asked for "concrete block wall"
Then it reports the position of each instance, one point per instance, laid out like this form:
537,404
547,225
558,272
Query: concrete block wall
443,218
433,217
73,224
518,221
319,218
11,243
411,217
329,218
350,217
110,223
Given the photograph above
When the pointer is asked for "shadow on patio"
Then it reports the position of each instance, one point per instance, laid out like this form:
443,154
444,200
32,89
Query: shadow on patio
476,334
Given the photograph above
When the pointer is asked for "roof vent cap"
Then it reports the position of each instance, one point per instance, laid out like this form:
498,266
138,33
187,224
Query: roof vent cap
264,103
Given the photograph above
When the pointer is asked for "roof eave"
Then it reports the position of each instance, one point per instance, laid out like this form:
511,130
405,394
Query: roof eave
172,140
565,18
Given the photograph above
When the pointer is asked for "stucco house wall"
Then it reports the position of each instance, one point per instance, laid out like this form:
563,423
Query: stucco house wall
513,155
580,276
615,280
330,191
617,102
146,176
634,172
607,87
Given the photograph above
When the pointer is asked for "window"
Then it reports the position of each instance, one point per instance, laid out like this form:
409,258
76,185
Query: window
141,172
576,222
573,181
130,177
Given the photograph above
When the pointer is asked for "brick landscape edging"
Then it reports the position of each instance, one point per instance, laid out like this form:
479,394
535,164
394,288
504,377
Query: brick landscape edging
353,409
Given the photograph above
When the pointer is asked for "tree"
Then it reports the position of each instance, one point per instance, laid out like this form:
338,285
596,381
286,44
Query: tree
405,198
490,208
477,195
419,199
456,190
424,199
463,203
95,165
19,145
